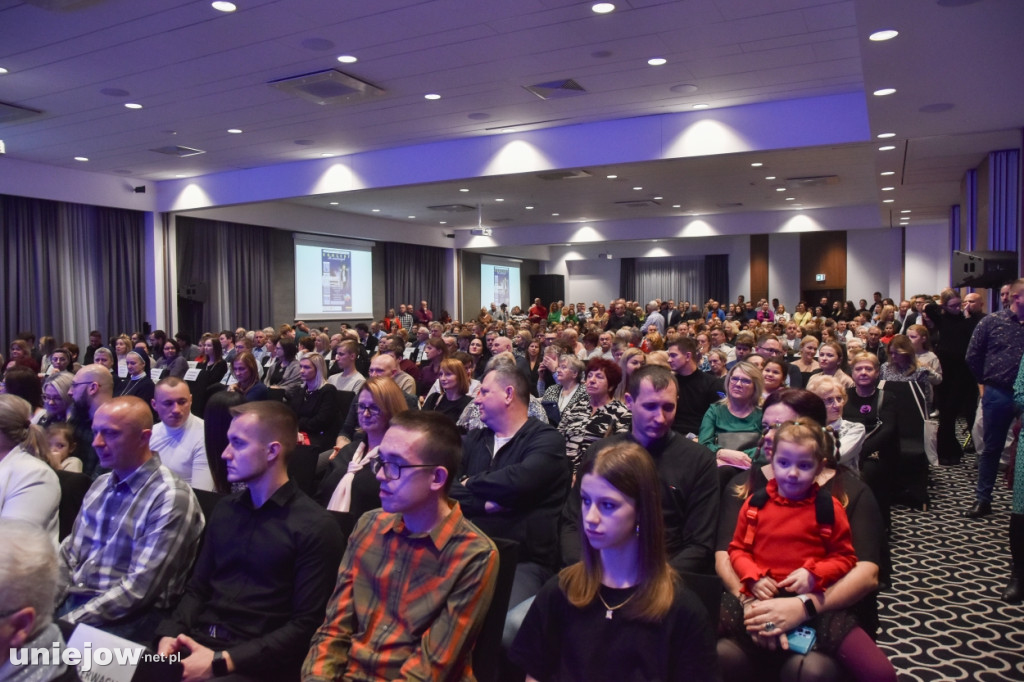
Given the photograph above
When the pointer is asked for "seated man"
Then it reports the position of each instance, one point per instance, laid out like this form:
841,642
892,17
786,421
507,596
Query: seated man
514,477
134,540
267,566
347,378
179,438
417,577
28,578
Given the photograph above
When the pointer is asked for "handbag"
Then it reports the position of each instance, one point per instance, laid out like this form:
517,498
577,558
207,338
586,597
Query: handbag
931,426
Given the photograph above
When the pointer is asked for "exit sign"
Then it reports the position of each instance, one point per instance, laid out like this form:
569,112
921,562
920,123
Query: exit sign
820,277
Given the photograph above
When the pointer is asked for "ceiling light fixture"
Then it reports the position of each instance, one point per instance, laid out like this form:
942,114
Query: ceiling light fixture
235,131
375,210
888,189
769,177
334,203
657,61
499,199
677,205
529,208
884,34
556,214
602,7
790,198
906,210
347,59
888,201
132,105
432,95
222,6
508,130
887,148
611,177
882,92
463,189
701,106
657,198
81,158
756,164
780,189
638,188
884,136
412,217
888,172
3,71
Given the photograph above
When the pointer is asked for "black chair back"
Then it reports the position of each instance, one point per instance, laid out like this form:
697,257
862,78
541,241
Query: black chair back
73,487
487,653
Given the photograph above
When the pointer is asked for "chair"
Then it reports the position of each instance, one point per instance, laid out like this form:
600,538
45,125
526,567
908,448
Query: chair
910,482
346,522
208,499
302,468
73,487
487,653
708,589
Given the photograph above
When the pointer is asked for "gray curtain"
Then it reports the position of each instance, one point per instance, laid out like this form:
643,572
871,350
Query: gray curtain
70,268
413,273
664,278
231,263
627,279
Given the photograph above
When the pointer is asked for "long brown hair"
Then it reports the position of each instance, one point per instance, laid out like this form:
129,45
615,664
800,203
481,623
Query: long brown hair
629,469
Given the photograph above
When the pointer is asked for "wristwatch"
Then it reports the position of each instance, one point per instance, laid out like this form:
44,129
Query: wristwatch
809,606
219,665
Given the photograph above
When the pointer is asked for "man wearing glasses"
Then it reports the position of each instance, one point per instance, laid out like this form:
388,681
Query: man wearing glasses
92,387
417,577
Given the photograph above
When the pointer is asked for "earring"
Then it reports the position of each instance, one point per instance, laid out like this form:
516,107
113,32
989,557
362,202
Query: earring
638,529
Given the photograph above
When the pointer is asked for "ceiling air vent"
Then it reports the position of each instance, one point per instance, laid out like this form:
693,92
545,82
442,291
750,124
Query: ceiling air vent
814,180
452,208
327,87
557,89
12,112
564,175
638,203
174,150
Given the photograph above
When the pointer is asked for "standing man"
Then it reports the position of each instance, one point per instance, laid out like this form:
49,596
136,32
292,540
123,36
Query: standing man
994,356
405,317
267,565
654,317
95,342
180,438
424,315
133,543
417,578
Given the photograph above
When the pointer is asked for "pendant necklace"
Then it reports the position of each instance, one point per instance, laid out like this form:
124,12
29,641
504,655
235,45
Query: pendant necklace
610,609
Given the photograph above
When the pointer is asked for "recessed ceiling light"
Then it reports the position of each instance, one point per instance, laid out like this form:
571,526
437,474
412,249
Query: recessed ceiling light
463,189
222,6
334,203
347,59
638,188
412,217
602,7
701,106
375,210
882,92
885,34
326,155
499,199
887,148
885,136
756,164
780,189
444,222
611,177
790,198
657,61
769,177
529,208
888,201
888,189
888,172
235,131
180,175
556,214
508,130
3,71
432,95
677,205
906,210
81,158
132,105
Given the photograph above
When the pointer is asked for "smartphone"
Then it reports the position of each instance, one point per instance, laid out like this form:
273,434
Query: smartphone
801,639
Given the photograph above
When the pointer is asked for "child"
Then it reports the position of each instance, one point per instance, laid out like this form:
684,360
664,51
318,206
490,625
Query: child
62,446
791,539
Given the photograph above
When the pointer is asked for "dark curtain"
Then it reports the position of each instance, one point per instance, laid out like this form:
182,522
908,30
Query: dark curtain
413,273
70,268
231,264
664,278
1003,200
716,277
627,279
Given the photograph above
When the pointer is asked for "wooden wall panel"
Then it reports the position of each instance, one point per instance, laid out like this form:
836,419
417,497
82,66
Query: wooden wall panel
823,252
758,267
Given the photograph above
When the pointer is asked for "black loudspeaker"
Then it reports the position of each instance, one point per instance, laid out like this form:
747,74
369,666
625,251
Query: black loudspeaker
990,269
547,288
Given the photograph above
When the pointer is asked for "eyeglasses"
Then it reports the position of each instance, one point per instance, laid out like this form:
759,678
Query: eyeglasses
51,398
81,383
372,410
742,381
393,470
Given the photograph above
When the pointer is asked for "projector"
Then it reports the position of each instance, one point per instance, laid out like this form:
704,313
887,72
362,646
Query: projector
604,256
481,232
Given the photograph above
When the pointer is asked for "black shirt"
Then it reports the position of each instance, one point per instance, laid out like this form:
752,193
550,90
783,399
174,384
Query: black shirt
263,576
697,392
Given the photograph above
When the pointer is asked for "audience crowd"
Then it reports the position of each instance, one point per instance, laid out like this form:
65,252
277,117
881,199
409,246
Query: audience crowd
310,503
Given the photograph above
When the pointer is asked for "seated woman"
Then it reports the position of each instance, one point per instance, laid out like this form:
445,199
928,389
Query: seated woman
632,360
480,356
621,613
57,399
24,383
554,313
61,360
567,393
759,655
21,354
104,356
138,382
349,484
600,416
247,378
436,351
285,372
851,434
29,489
316,405
453,397
830,361
172,361
731,428
802,316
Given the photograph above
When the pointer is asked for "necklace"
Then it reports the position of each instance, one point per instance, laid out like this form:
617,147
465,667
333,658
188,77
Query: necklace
610,609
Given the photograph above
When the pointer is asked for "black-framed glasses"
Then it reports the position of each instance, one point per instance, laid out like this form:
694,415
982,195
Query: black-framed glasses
393,470
372,410
81,383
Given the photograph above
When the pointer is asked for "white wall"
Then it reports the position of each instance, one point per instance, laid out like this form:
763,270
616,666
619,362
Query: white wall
868,263
592,280
784,269
927,259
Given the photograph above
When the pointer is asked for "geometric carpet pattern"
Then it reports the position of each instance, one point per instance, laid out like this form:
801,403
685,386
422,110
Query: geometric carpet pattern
942,618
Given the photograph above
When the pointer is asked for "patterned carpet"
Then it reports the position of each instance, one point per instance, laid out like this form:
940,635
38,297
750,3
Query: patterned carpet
942,618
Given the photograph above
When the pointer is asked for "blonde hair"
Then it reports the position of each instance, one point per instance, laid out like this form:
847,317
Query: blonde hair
17,427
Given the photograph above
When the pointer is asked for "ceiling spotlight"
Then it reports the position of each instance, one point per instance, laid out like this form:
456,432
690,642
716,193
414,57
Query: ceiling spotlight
334,203
602,7
885,136
132,105
499,199
3,71
444,222
888,189
529,208
235,131
347,59
887,148
638,188
432,95
906,210
790,198
756,164
412,217
658,198
701,106
888,201
555,215
375,210
657,61
677,205
611,177
769,177
885,34
81,158
882,92
463,189
888,172
780,189
222,6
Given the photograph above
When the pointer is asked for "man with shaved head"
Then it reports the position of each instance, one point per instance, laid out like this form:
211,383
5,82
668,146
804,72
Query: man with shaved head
92,387
128,555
